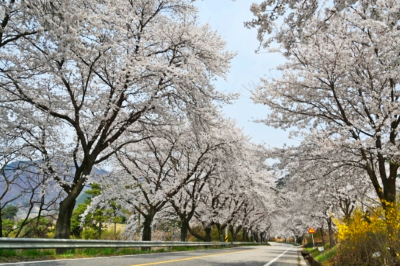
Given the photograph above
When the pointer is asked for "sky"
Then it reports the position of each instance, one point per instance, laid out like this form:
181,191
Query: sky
247,68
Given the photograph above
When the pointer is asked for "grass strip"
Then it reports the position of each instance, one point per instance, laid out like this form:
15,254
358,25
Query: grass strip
323,257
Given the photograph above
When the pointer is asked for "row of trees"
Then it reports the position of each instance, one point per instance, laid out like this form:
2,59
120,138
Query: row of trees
127,86
124,86
209,176
340,86
339,89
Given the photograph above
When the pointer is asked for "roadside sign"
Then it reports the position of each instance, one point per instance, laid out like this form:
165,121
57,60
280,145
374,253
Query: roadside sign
312,232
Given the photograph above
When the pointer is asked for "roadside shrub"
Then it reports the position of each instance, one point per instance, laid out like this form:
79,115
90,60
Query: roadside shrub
8,227
36,228
90,234
370,238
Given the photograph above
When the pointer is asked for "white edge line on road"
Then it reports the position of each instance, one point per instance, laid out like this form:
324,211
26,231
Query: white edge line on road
91,258
272,261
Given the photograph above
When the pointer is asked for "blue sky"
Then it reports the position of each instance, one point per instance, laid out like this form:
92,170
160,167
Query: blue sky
227,18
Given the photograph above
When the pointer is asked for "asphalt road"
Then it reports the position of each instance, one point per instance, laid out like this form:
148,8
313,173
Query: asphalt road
274,255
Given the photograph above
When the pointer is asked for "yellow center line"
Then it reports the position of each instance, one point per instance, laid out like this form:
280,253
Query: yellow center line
190,258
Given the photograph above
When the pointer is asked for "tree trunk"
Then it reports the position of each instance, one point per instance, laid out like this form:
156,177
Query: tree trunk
330,232
64,218
67,205
244,237
63,225
146,236
100,225
184,231
299,239
196,235
322,235
234,232
221,232
206,238
139,224
208,234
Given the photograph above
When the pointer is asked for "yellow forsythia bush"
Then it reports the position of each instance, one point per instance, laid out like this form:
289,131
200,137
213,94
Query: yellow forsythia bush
370,238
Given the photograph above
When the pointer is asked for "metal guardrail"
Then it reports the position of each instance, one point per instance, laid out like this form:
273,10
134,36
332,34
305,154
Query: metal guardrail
44,243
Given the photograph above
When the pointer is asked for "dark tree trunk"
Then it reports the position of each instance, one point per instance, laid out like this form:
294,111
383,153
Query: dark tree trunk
234,232
115,230
206,238
67,205
321,229
261,237
63,225
184,231
146,236
221,232
299,239
255,237
196,235
244,238
148,220
100,225
208,234
330,232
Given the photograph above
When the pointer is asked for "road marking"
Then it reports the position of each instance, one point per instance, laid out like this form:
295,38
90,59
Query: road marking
272,261
91,258
190,258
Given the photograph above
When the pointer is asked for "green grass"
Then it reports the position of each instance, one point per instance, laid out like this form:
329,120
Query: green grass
6,253
323,256
326,255
50,254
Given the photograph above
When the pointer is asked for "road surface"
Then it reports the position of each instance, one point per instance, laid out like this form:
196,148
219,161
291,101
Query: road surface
274,255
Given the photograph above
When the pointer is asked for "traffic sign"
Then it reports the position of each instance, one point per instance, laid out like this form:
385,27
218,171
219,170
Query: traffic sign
311,231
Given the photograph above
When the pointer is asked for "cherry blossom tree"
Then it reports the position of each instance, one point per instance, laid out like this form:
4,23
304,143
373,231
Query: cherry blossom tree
318,186
237,196
341,84
173,160
106,71
186,200
295,15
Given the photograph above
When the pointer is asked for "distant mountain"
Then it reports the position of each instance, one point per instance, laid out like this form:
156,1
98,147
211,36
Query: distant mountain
30,178
82,197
